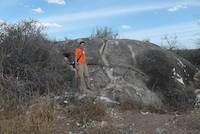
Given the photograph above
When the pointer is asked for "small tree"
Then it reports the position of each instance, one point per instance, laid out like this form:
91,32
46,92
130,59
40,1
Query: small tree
169,42
146,40
104,33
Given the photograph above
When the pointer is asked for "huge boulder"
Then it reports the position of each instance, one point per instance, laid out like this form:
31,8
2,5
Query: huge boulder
135,71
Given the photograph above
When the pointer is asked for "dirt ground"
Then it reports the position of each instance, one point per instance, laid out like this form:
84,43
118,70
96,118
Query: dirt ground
131,122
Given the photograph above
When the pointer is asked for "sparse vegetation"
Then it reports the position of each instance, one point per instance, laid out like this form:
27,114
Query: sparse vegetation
39,118
160,69
29,67
29,64
32,72
191,55
169,42
129,105
146,40
86,111
104,33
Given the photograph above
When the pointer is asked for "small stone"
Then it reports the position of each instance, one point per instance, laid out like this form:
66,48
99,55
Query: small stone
66,102
78,124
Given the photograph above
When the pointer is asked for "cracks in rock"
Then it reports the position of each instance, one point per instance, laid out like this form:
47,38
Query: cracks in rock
116,82
132,54
102,52
116,86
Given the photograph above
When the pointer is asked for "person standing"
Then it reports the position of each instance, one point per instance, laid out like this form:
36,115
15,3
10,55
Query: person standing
81,67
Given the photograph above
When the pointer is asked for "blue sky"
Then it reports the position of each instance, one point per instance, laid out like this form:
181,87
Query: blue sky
132,19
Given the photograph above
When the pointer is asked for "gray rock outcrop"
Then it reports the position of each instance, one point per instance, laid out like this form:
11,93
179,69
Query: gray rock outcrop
129,70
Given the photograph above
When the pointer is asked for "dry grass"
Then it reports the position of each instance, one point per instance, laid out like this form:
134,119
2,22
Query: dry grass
129,105
86,111
39,119
11,126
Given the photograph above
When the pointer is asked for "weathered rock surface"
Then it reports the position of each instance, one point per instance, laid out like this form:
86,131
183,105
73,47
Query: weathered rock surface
129,70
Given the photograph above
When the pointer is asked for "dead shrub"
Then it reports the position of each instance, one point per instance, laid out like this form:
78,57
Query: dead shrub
28,56
39,119
86,111
9,102
159,65
11,126
29,66
129,105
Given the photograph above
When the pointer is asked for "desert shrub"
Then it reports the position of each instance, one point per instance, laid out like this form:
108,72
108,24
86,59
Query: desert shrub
156,64
10,101
30,67
104,33
86,111
130,105
11,126
29,63
38,119
158,67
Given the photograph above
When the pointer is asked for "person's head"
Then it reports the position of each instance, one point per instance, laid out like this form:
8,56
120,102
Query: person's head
82,44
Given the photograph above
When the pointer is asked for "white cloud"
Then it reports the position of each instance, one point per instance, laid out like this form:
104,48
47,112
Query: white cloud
38,10
126,27
177,8
60,2
106,12
183,5
119,10
49,24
